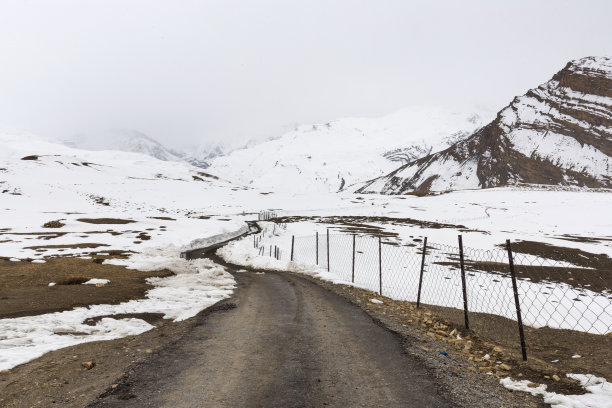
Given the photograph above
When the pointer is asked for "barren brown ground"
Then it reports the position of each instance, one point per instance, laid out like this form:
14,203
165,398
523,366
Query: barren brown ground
25,290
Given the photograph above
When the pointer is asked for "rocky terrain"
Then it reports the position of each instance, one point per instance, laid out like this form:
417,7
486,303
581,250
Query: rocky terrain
559,133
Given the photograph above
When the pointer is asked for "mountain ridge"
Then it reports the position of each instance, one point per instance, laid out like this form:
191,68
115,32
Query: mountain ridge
559,133
333,156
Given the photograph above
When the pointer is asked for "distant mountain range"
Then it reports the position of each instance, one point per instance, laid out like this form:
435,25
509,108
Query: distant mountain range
333,156
559,133
137,142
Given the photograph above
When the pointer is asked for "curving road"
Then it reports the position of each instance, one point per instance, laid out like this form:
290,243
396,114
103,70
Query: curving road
281,341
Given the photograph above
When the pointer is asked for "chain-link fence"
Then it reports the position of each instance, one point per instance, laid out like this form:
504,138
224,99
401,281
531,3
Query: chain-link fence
562,290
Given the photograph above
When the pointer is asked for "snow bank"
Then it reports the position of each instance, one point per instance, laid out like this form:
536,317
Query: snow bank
598,395
215,239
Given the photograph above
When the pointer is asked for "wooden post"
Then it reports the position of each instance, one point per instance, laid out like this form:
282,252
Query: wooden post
328,250
292,246
353,269
465,304
422,270
516,301
380,266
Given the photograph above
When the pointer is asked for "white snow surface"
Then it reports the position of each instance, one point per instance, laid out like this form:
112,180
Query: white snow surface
96,281
598,392
328,157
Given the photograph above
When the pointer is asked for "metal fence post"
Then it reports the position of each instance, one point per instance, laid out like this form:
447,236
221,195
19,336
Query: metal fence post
465,304
317,249
516,301
421,275
380,266
292,246
353,269
328,250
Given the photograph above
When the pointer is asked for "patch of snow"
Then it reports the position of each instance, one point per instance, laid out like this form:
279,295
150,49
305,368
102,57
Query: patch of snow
598,392
208,241
376,301
97,282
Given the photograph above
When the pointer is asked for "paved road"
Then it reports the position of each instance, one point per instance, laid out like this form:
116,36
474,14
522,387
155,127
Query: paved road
287,343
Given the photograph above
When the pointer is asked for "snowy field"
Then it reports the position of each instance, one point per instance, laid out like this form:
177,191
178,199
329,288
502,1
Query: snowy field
172,207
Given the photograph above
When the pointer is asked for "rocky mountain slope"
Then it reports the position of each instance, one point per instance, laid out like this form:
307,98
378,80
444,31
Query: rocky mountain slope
559,133
333,156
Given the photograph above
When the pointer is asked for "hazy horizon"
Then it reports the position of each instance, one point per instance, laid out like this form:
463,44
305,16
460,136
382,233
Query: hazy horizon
199,72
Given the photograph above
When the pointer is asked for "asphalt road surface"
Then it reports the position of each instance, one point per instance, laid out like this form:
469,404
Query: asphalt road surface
280,341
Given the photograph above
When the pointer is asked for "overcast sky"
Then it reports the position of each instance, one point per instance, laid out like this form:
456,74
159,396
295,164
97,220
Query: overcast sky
186,72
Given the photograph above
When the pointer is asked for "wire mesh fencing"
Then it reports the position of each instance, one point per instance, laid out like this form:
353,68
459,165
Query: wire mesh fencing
566,291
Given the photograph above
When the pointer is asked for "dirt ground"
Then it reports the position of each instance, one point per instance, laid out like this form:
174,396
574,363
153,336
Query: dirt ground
25,290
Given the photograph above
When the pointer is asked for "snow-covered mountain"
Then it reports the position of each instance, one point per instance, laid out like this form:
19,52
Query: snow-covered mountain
559,133
202,154
332,156
134,141
138,142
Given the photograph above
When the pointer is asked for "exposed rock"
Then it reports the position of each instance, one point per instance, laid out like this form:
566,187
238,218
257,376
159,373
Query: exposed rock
88,365
557,134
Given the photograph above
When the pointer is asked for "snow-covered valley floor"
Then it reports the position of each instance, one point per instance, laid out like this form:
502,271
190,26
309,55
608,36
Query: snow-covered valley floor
153,210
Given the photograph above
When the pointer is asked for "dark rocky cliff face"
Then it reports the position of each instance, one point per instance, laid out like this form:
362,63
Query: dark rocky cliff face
559,133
